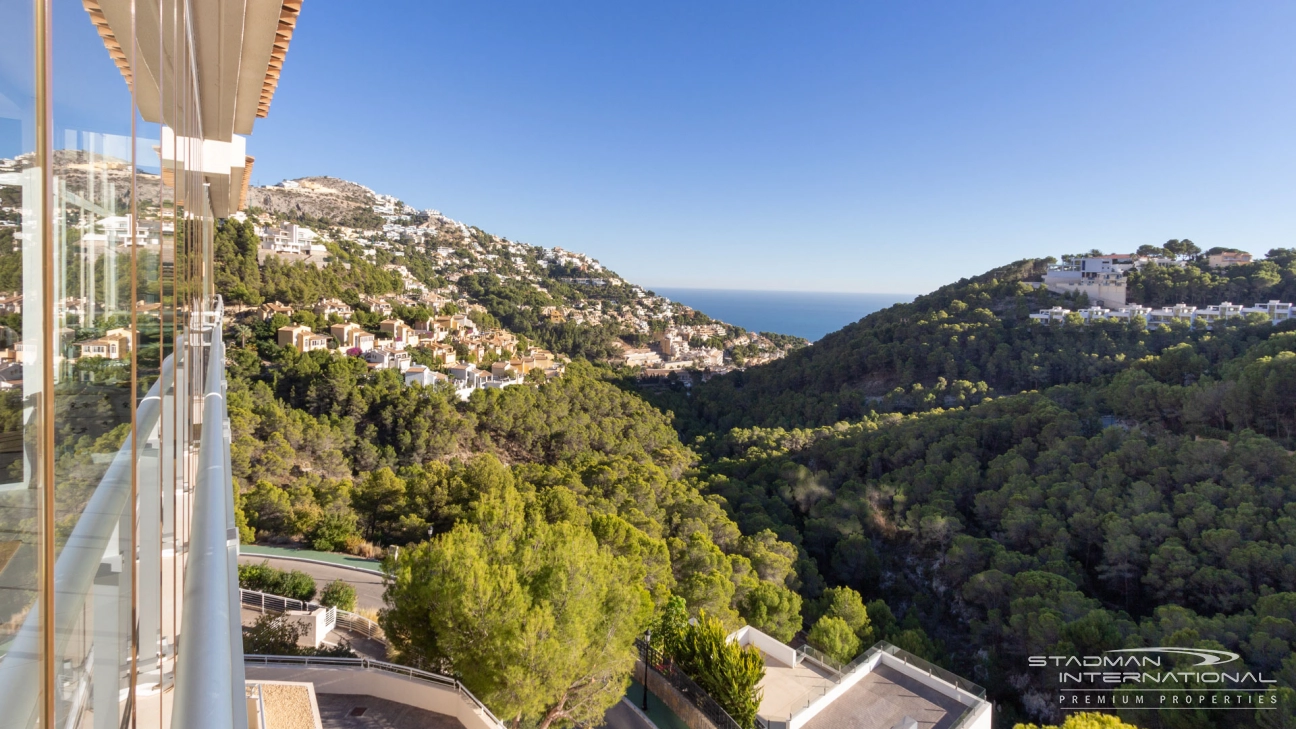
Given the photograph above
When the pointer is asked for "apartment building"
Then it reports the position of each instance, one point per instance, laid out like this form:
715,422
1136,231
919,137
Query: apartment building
333,307
269,309
302,337
288,238
114,344
1225,259
400,332
352,336
1275,311
884,687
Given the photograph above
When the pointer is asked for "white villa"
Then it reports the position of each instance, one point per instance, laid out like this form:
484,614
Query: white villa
290,238
420,375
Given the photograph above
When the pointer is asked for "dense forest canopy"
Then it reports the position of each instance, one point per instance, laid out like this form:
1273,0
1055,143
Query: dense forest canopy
947,474
1020,489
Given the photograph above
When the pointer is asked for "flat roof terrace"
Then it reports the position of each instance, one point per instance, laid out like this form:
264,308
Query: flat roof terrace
883,698
789,689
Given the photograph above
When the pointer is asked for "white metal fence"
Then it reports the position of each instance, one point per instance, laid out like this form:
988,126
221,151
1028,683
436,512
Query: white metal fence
358,624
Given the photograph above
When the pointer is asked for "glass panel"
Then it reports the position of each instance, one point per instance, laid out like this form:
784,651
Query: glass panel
20,494
126,273
98,189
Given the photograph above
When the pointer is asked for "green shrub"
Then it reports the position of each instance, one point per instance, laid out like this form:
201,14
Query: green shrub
833,636
264,578
340,595
275,635
726,671
272,635
332,531
297,585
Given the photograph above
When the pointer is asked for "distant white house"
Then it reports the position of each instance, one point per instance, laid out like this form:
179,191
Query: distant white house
289,238
420,375
467,378
387,359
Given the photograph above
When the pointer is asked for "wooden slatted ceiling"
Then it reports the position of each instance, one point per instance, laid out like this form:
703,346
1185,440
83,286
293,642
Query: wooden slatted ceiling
283,36
110,41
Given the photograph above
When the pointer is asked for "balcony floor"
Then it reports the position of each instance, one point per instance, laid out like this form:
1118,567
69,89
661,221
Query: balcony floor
336,713
787,690
884,697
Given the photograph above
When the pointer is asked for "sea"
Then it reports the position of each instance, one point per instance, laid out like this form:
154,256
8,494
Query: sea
809,314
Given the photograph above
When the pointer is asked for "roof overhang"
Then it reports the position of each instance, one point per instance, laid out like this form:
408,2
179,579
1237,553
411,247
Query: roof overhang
239,48
239,51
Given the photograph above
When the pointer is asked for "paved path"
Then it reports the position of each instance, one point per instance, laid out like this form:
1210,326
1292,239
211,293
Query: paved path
369,587
622,716
334,557
357,711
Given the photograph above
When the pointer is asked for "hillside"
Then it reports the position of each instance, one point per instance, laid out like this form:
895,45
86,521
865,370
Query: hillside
977,485
326,200
565,300
1013,488
962,343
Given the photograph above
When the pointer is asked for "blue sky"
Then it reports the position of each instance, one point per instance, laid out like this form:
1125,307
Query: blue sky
874,147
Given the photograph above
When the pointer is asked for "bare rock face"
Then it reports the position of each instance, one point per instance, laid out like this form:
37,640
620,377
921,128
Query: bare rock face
325,198
105,180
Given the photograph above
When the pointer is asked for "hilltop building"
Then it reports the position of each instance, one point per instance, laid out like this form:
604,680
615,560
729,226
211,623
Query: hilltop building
1101,277
1228,258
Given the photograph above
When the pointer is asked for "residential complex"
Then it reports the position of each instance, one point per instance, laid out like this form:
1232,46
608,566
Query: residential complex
1273,311
438,344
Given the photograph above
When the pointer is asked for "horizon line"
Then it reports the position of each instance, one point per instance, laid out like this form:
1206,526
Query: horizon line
779,291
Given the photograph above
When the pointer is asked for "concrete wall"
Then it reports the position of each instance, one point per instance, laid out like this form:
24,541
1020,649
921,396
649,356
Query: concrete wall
775,649
1111,295
314,626
666,693
390,686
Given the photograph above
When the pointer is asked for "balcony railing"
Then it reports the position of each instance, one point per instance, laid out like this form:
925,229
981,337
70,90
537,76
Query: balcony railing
209,675
696,695
75,570
371,665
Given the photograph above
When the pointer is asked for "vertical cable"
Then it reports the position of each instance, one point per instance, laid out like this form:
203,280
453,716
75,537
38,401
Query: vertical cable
133,504
45,434
169,308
